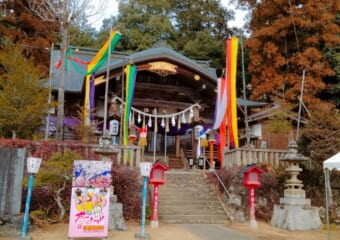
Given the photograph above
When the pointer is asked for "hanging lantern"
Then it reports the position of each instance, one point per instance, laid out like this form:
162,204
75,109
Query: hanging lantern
132,134
113,127
173,121
139,118
163,123
150,122
183,118
142,136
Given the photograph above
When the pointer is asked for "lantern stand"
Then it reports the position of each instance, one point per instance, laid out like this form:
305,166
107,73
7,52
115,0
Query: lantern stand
204,144
211,141
157,177
114,130
145,168
33,165
197,133
252,181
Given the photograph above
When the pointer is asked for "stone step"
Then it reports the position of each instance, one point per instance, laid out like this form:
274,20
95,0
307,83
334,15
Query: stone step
203,219
206,212
178,204
176,163
187,197
174,190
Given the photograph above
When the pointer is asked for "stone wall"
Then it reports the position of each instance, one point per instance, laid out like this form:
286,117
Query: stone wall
12,163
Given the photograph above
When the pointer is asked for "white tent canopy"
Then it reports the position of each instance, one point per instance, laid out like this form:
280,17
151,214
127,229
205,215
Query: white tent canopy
330,164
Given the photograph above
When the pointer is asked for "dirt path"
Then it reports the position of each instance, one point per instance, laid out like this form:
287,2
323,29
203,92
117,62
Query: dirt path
234,231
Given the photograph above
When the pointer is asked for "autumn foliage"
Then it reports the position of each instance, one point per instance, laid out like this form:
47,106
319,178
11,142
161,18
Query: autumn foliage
287,44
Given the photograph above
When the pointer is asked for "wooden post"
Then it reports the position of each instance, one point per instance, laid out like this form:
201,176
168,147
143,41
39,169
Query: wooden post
178,145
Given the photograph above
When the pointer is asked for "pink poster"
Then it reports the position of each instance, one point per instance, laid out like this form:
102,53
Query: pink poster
89,213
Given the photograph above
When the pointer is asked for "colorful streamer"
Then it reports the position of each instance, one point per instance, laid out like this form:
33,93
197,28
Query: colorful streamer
131,73
221,102
226,109
93,66
71,58
223,124
231,67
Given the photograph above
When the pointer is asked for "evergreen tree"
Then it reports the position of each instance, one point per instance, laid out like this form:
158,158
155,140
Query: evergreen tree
197,29
23,97
143,23
320,137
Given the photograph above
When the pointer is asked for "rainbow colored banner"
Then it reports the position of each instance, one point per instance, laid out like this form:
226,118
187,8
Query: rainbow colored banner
92,67
231,67
131,73
226,109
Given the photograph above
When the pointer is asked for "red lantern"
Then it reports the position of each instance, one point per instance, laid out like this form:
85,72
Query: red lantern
211,138
132,134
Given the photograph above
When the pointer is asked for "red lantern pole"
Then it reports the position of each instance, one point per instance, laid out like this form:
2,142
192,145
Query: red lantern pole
211,141
253,222
154,217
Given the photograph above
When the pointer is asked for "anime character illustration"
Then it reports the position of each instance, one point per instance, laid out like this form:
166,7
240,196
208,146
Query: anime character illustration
90,199
101,202
79,200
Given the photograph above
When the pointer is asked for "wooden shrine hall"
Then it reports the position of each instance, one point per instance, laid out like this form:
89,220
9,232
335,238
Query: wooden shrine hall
172,94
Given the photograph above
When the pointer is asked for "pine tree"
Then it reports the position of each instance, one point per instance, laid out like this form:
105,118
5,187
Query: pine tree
320,137
23,96
143,23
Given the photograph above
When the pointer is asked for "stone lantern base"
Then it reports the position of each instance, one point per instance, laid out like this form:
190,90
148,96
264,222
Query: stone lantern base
295,214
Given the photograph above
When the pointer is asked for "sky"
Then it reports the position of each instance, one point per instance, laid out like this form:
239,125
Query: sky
112,9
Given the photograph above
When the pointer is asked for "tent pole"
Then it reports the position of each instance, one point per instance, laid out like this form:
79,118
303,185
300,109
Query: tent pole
327,203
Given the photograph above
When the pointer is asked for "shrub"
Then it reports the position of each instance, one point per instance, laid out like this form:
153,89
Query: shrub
128,188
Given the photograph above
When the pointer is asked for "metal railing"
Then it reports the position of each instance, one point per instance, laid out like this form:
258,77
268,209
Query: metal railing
231,200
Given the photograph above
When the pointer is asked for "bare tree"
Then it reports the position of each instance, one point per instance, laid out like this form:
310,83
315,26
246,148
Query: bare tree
65,12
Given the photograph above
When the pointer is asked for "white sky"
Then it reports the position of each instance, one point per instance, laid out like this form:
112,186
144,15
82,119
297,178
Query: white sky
112,9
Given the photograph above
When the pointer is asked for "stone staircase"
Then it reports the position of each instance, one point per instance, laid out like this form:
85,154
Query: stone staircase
187,197
176,162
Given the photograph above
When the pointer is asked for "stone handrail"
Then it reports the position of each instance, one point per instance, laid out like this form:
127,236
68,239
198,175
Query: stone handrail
129,155
124,155
243,156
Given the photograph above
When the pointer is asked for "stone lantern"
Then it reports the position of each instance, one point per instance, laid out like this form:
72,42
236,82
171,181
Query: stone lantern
295,211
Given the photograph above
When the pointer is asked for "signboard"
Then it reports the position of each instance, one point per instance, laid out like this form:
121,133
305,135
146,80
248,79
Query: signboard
90,197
